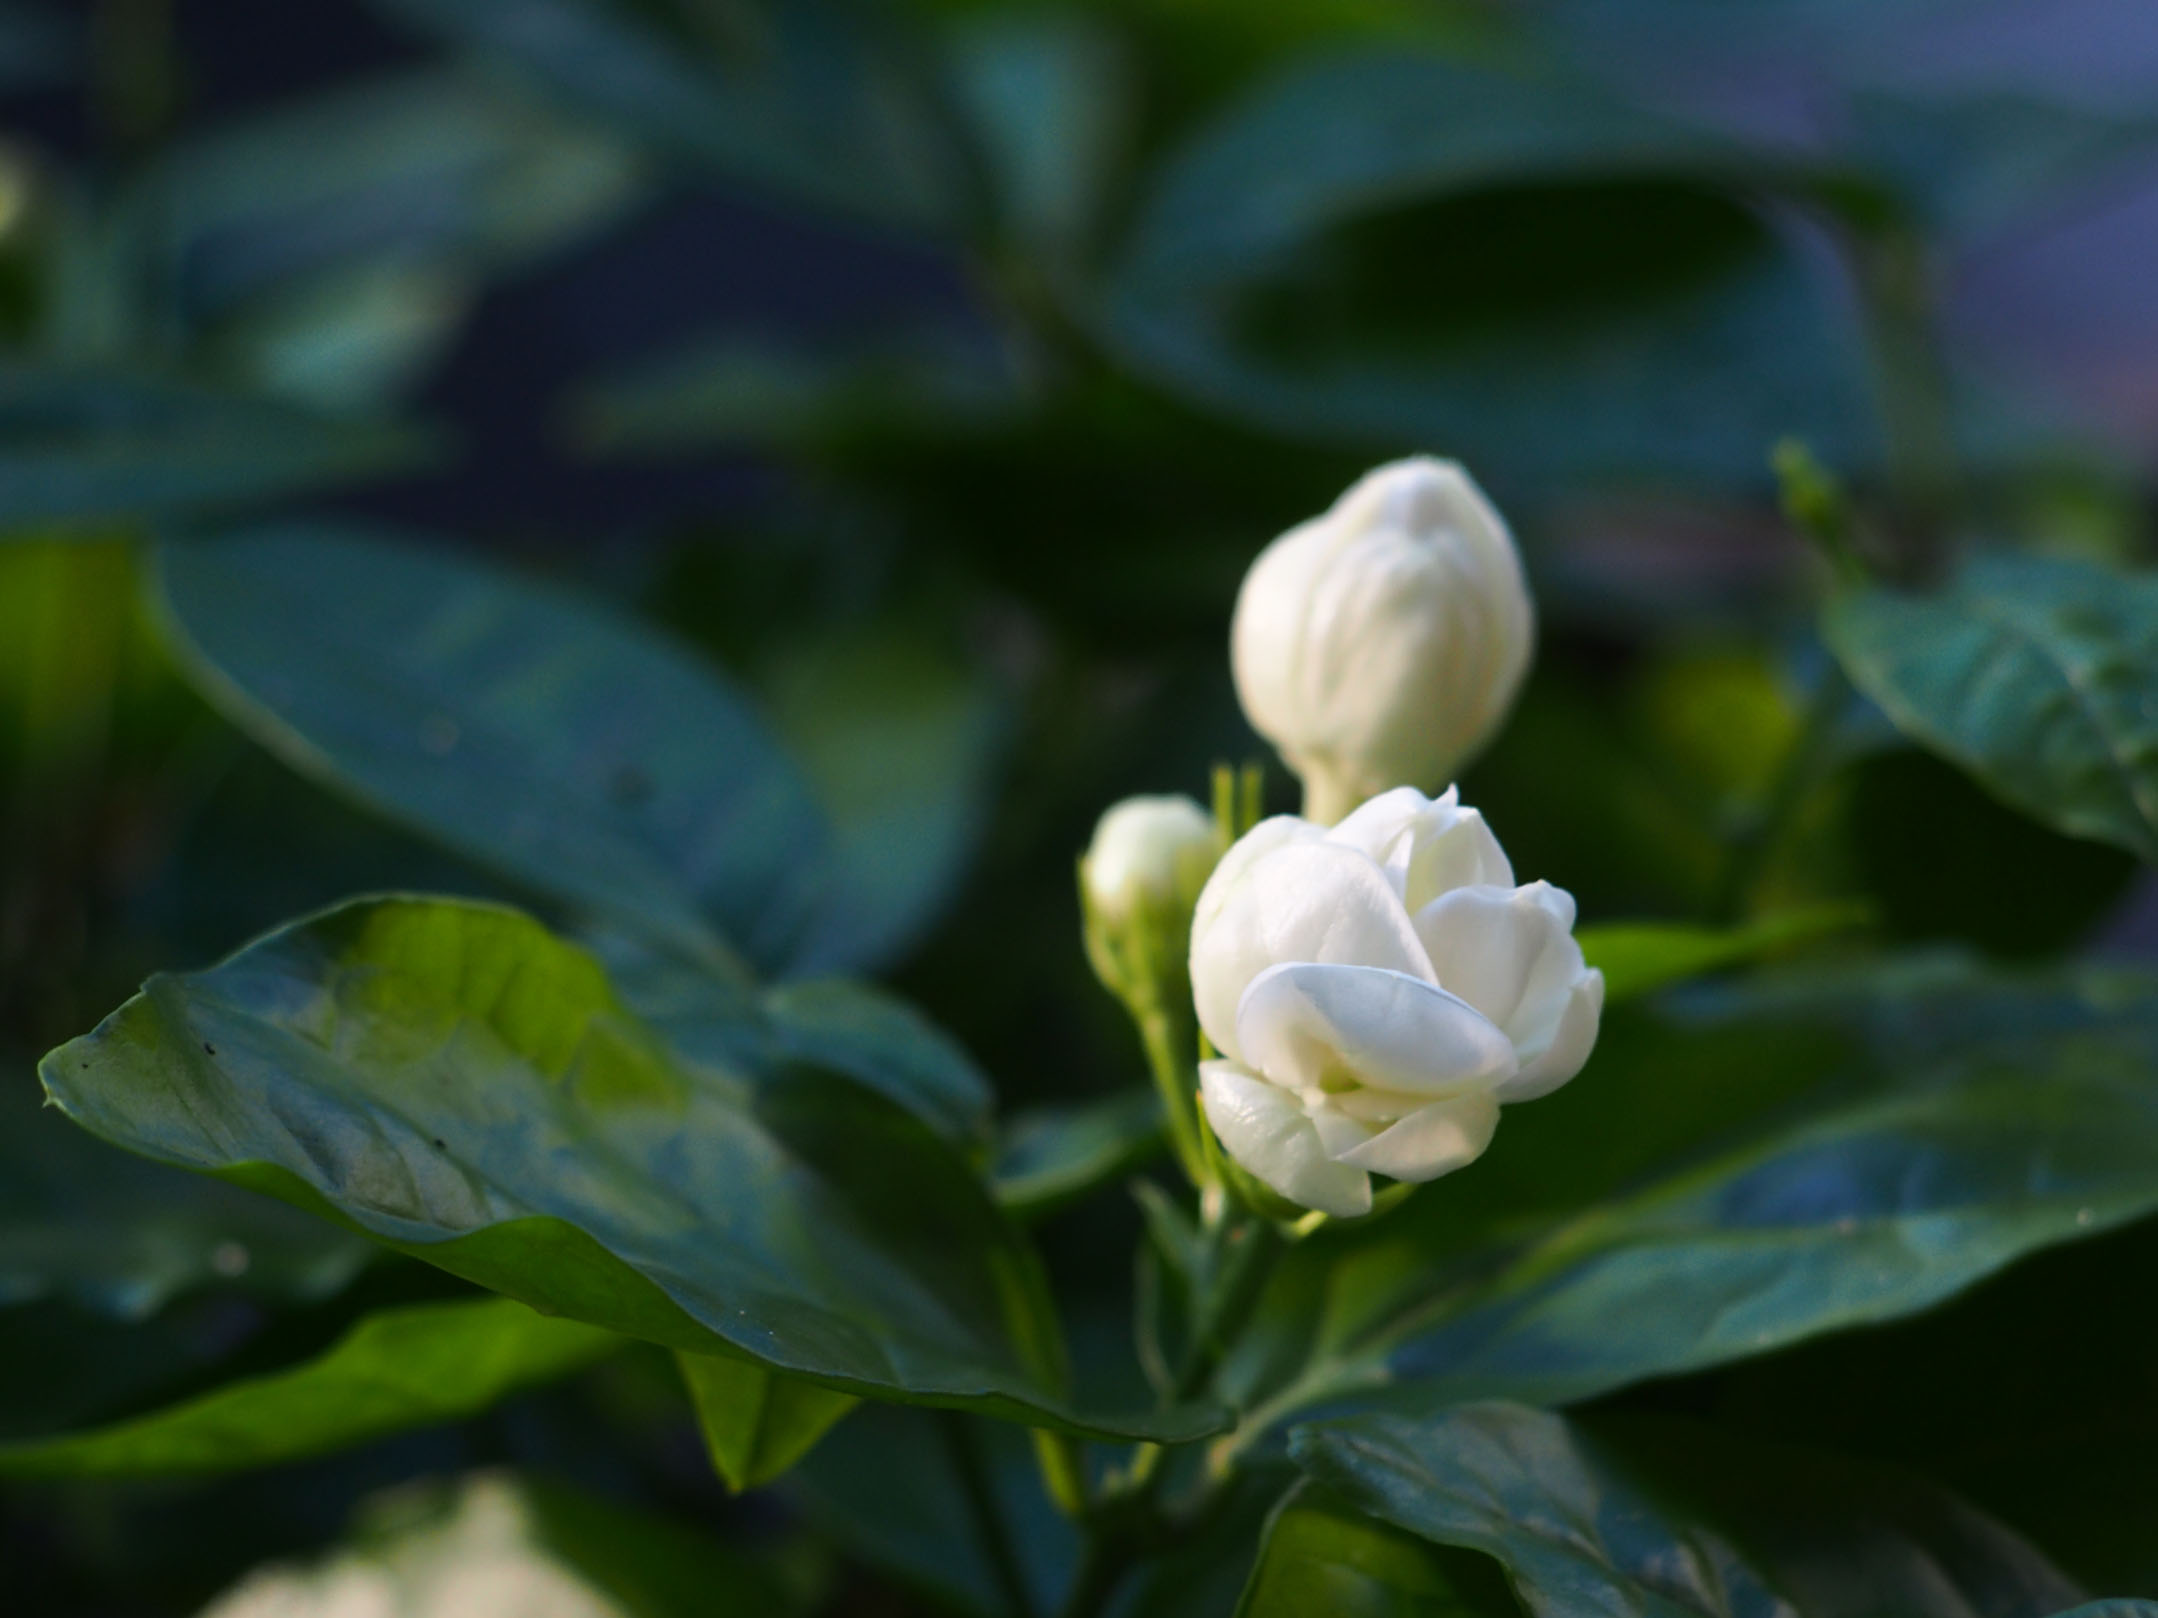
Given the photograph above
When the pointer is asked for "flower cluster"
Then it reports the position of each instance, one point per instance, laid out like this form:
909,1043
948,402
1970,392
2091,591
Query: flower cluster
1378,988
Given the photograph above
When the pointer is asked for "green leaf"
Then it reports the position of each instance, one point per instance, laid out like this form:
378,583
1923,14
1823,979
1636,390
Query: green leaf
899,741
1050,1156
581,754
756,1425
2038,675
797,98
732,388
1651,1518
1322,1555
1728,1177
853,1028
83,448
1638,958
1393,246
112,1233
912,1522
455,1082
395,1370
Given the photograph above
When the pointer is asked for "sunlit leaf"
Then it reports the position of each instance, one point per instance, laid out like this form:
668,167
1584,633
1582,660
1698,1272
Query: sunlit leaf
398,1369
756,1425
460,1085
2039,676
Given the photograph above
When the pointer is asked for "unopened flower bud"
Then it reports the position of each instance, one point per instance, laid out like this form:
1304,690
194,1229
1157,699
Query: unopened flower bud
1379,645
1140,879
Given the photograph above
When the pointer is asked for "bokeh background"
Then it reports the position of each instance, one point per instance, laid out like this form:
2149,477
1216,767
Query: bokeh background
937,367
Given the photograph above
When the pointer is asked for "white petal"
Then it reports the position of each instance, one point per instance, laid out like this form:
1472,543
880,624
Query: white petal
1310,1026
1571,1041
1299,901
1426,846
1487,944
1433,1140
1265,1130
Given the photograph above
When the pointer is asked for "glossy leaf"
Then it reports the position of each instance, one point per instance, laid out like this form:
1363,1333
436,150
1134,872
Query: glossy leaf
581,754
801,100
1638,958
1053,1155
1321,1554
109,1232
2038,675
1723,1180
457,1083
395,1370
1648,1518
756,1425
81,448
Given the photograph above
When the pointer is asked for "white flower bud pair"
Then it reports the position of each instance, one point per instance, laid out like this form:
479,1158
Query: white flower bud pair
1379,645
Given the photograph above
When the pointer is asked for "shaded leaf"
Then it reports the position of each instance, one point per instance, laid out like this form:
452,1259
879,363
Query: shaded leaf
797,98
112,1233
88,447
397,1369
1639,958
460,1085
1730,1177
2038,675
579,753
1391,246
899,742
1049,1156
1653,1519
756,1425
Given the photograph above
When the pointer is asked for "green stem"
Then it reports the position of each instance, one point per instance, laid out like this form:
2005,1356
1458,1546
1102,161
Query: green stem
1895,284
1171,1045
964,1448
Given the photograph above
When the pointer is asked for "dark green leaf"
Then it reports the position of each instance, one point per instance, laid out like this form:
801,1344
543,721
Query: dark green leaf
756,1425
913,1523
113,1233
452,1080
1395,247
1322,1555
797,98
583,755
1639,958
2039,676
1722,1180
1654,1519
399,1369
738,389
83,447
899,742
1054,1155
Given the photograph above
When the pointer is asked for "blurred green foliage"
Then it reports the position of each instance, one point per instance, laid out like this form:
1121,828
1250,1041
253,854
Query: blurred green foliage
1210,263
